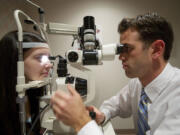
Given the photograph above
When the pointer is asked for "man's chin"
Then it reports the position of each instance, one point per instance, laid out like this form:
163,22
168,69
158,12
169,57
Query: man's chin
129,75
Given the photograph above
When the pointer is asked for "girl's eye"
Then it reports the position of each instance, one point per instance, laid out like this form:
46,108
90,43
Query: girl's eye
42,59
38,58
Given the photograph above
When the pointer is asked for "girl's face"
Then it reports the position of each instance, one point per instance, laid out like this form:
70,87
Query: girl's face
36,63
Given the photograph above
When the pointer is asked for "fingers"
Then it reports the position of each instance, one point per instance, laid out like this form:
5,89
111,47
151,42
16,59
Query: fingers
69,108
57,111
59,114
59,101
72,91
100,117
59,94
61,98
90,108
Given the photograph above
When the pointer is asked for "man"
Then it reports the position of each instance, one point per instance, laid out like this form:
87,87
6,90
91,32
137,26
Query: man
152,96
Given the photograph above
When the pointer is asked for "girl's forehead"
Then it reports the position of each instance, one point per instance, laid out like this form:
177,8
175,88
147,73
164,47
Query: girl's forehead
37,51
40,50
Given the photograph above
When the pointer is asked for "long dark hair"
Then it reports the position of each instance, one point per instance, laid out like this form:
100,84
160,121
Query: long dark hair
9,117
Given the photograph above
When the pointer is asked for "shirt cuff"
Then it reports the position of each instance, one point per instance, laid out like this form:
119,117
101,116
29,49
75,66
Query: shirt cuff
91,128
107,115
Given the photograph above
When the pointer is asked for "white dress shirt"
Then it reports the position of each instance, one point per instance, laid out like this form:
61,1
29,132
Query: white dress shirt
163,107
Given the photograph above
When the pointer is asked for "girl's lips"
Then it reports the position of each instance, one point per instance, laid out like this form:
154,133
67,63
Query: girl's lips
45,74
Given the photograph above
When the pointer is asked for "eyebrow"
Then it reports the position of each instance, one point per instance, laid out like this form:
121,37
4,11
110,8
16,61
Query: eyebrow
128,45
42,54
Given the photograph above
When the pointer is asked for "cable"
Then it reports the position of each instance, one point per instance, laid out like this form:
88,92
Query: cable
35,121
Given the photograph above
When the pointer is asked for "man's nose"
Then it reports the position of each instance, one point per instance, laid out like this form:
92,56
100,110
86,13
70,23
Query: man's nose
122,56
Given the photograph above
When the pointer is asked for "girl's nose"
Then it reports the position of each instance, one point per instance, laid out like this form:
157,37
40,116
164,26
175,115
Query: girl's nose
48,65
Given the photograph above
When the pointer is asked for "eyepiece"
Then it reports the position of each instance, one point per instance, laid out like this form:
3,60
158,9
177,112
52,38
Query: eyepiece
89,22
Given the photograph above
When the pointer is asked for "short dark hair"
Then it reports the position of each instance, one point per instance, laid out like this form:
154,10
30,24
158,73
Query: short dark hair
151,27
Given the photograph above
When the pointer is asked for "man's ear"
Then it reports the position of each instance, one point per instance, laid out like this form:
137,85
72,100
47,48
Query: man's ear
158,48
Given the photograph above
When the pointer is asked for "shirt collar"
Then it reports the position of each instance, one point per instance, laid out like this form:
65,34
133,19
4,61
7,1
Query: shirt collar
154,88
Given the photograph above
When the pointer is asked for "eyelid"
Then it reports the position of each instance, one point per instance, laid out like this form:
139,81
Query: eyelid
128,47
38,57
41,55
41,59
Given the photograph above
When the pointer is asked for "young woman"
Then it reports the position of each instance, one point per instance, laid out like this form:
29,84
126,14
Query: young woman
36,65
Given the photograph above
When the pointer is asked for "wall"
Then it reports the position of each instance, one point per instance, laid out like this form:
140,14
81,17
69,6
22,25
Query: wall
109,77
7,21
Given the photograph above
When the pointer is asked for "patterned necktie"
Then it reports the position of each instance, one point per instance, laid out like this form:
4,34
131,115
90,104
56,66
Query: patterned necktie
143,114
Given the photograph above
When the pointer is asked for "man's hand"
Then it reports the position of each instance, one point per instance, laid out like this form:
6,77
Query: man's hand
100,117
69,108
